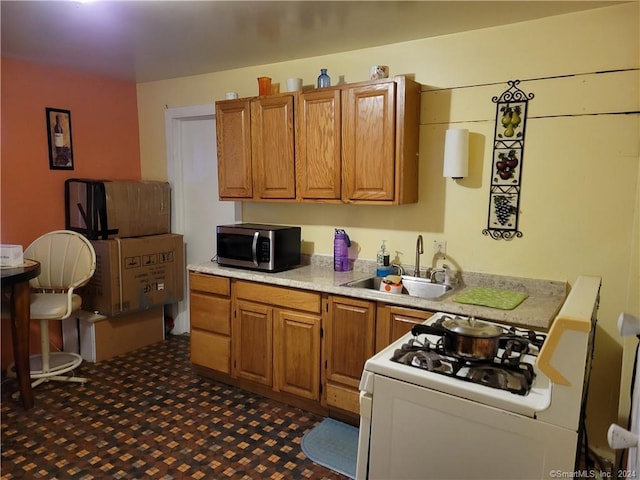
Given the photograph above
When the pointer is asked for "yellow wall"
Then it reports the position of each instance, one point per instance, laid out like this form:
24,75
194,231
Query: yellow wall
580,202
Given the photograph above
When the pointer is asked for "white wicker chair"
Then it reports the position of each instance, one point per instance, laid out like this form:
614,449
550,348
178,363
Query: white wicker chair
68,261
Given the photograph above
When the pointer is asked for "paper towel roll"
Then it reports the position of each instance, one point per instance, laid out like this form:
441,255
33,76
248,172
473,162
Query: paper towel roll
456,153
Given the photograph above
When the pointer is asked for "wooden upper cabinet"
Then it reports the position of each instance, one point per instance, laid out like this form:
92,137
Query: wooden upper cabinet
380,142
233,136
318,145
354,143
369,142
272,147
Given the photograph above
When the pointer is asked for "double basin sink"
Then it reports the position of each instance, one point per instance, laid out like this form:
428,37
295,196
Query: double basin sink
413,286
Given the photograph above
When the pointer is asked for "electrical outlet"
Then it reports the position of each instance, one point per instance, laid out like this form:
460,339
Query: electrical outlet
440,247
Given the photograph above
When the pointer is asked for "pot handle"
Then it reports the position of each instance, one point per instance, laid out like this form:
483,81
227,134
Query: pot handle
428,329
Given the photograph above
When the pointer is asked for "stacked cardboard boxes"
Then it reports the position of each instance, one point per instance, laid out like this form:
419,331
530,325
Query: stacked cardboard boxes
97,337
140,266
135,274
102,209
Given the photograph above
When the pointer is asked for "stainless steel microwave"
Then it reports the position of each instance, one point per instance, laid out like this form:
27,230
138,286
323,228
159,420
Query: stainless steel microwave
270,248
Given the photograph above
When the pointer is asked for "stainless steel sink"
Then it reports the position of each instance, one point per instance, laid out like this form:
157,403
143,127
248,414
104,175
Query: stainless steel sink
423,288
372,283
413,286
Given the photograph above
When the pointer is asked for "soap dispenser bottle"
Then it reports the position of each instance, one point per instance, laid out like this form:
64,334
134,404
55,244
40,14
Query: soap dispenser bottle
383,261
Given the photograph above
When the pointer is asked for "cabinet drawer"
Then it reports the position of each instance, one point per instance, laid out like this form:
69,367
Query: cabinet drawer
210,313
343,398
210,350
278,296
209,283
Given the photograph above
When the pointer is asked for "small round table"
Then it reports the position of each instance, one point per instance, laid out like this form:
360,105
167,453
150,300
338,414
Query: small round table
15,280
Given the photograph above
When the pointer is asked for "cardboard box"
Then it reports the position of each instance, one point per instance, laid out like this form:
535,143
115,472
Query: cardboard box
103,209
11,255
102,338
135,274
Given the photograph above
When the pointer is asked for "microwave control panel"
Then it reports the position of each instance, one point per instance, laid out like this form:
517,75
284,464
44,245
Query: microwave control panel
263,253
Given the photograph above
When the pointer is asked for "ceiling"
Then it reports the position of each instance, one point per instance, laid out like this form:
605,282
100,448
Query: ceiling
155,40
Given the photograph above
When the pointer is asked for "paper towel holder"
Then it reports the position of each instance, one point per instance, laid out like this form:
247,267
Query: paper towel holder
456,153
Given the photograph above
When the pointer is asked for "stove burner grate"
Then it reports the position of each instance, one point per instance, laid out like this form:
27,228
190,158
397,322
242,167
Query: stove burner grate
505,372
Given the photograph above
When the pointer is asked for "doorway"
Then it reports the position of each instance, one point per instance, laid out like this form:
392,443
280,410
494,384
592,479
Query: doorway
192,171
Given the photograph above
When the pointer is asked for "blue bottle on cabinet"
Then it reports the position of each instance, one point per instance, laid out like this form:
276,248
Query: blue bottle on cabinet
324,80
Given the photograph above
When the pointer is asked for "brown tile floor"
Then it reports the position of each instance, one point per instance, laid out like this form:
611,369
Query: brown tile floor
146,415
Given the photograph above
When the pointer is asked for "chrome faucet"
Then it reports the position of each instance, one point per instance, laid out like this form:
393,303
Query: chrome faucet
399,268
419,251
444,270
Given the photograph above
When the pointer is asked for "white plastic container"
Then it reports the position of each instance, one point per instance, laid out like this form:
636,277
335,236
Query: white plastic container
11,255
391,284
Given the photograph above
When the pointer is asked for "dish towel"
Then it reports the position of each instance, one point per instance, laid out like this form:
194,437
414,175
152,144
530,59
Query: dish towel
491,297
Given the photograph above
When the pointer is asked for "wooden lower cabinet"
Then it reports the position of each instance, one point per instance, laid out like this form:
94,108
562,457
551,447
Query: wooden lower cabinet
210,350
293,345
348,342
210,319
297,354
276,338
392,322
278,348
253,342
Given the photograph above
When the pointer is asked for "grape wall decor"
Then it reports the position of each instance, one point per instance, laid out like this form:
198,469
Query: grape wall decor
506,170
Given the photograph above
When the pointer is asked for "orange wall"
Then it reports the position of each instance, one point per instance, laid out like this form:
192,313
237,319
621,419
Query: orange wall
104,124
106,145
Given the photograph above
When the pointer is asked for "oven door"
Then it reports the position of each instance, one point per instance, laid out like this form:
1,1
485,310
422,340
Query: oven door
364,435
421,433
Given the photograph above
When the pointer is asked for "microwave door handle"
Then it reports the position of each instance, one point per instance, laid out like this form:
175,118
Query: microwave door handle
254,248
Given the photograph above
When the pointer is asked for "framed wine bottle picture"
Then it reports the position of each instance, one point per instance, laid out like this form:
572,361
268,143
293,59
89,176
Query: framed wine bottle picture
59,135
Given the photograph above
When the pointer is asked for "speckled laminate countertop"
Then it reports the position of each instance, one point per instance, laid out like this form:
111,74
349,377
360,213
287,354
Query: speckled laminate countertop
545,297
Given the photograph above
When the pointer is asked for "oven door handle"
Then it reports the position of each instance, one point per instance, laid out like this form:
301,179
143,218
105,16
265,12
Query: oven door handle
254,248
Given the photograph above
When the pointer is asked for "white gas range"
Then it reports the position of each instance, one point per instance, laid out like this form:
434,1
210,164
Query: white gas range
467,421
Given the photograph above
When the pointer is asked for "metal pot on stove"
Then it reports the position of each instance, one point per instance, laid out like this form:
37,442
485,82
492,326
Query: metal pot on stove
465,337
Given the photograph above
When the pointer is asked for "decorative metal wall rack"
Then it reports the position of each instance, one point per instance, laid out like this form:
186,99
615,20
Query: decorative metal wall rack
506,170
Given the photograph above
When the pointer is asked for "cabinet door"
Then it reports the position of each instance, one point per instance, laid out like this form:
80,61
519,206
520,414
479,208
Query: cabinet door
252,339
393,322
297,354
272,144
318,145
369,147
349,342
233,136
